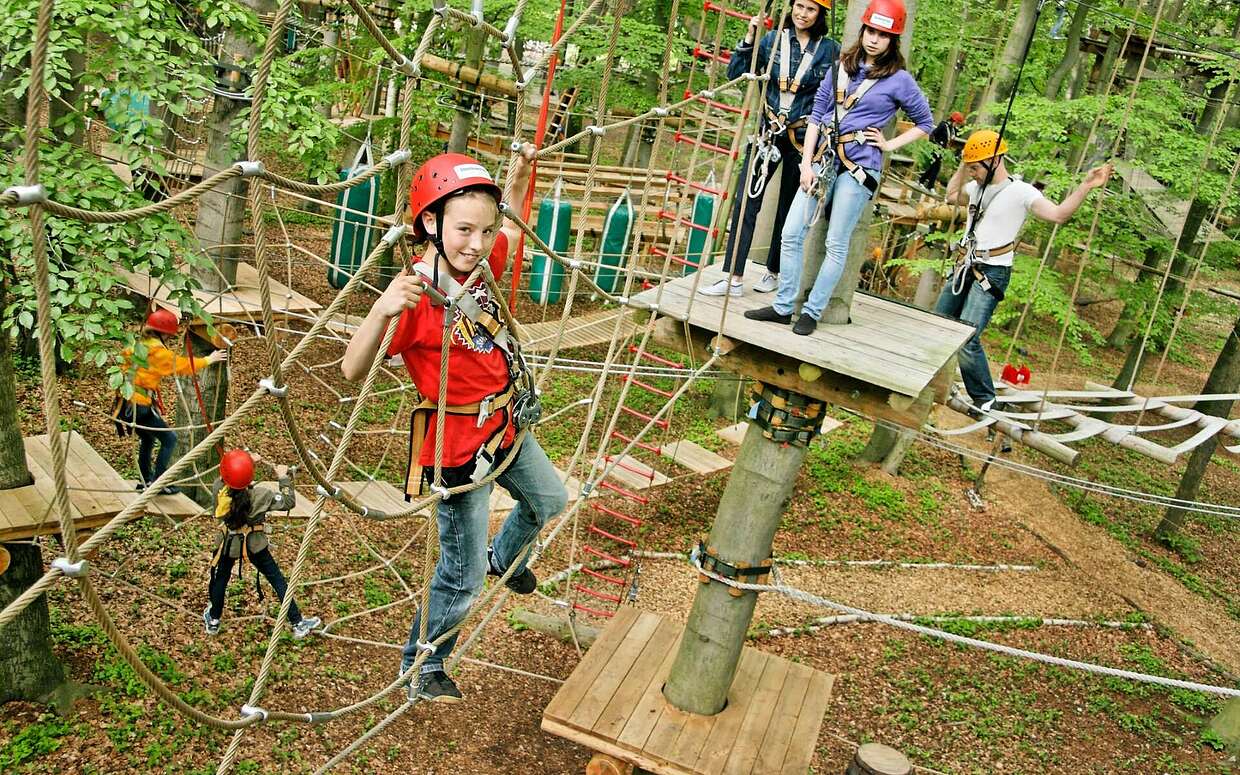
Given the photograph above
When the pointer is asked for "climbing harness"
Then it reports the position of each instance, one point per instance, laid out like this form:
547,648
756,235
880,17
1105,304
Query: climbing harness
970,253
766,155
836,142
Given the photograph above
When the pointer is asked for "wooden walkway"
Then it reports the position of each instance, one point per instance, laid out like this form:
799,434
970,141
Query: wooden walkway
242,303
96,492
583,331
879,364
1167,209
613,703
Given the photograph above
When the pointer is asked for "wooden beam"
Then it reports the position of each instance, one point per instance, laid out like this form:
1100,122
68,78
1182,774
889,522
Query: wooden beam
1030,438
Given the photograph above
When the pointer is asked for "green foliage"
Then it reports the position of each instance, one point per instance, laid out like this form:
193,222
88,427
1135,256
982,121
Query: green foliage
1052,299
34,740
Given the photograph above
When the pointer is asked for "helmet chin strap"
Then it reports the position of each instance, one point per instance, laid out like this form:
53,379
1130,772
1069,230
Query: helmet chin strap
436,240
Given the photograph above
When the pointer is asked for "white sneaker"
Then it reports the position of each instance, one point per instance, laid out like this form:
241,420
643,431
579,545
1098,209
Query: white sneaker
307,625
720,287
768,283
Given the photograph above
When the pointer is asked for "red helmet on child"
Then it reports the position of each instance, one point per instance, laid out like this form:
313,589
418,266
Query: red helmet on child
162,320
439,178
886,16
237,469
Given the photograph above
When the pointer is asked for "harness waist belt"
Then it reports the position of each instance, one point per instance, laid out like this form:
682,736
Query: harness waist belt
982,254
419,422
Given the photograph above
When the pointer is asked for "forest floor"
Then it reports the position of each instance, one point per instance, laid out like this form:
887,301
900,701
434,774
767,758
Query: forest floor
1083,556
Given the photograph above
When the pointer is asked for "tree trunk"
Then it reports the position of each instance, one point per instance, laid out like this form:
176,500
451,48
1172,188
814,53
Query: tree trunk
1126,326
1071,54
462,120
1224,378
726,399
28,668
1115,41
951,71
213,384
1001,86
753,503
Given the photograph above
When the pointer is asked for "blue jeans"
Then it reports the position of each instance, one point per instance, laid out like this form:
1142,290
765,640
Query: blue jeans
974,306
462,568
848,200
151,429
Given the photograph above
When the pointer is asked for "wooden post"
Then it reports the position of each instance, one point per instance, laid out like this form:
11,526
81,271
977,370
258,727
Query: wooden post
753,502
837,311
462,120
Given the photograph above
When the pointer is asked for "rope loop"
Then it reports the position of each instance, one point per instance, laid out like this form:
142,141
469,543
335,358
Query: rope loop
73,570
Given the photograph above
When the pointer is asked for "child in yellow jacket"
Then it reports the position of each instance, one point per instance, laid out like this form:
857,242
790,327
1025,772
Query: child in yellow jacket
143,413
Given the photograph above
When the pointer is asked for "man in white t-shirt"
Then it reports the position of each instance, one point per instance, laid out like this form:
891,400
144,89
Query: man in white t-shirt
977,284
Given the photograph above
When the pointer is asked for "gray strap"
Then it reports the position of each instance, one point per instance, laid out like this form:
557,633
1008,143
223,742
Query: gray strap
788,92
465,301
841,77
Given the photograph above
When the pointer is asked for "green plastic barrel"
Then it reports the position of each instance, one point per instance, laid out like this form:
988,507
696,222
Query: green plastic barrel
546,283
353,228
699,238
616,233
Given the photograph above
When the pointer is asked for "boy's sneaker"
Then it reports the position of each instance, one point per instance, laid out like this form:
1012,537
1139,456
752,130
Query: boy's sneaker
805,325
170,490
768,283
522,582
212,626
434,687
723,287
768,315
302,629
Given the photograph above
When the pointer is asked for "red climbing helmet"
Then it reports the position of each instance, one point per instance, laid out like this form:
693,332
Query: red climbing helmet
237,469
886,16
439,178
162,320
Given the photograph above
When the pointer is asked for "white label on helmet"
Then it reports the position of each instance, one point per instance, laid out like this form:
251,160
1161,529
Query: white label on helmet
471,171
886,22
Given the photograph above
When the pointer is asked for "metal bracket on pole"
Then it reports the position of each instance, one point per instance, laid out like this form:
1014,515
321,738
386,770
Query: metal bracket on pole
708,559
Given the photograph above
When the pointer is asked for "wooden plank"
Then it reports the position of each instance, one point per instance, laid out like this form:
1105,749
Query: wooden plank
809,721
613,675
111,492
39,453
694,457
640,680
647,712
714,754
667,730
632,479
779,727
594,661
240,303
179,506
761,705
733,434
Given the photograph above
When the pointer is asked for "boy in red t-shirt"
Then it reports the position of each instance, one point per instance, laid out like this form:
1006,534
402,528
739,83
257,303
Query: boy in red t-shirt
454,204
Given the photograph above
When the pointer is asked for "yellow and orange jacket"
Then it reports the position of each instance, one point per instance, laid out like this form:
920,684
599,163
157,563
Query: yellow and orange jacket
160,362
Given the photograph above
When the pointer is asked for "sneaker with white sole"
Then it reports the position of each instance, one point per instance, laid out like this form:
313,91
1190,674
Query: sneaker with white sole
434,686
212,626
722,287
302,629
768,283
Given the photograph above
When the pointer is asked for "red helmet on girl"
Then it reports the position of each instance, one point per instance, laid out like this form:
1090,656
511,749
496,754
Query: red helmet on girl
886,16
237,469
439,178
162,320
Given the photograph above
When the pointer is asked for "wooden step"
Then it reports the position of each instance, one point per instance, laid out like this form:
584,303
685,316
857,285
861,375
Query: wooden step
695,457
631,479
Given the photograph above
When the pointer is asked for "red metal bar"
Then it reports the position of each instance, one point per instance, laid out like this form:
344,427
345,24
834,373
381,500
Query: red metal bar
645,386
672,176
603,577
668,215
735,14
647,417
600,595
630,495
681,137
629,440
642,472
600,531
593,611
716,104
657,359
723,56
634,521
605,556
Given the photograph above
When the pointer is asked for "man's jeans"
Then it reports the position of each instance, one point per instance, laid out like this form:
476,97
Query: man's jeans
463,521
848,200
974,306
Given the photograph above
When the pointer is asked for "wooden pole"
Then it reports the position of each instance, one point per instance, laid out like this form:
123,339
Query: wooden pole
753,503
470,76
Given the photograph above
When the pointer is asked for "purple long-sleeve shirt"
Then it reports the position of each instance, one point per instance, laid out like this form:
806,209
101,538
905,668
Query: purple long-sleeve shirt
875,109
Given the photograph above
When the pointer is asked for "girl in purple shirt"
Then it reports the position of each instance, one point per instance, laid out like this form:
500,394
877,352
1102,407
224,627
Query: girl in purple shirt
875,70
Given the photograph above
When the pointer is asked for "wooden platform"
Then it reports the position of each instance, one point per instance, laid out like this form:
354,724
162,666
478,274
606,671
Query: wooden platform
96,492
613,703
881,364
1169,210
581,331
375,495
694,457
242,303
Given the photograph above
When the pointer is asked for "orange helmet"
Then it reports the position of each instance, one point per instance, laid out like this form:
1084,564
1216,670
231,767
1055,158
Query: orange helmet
442,176
162,320
237,469
886,16
982,145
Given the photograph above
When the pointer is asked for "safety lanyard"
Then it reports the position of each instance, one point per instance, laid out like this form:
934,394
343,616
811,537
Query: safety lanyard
845,104
977,210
